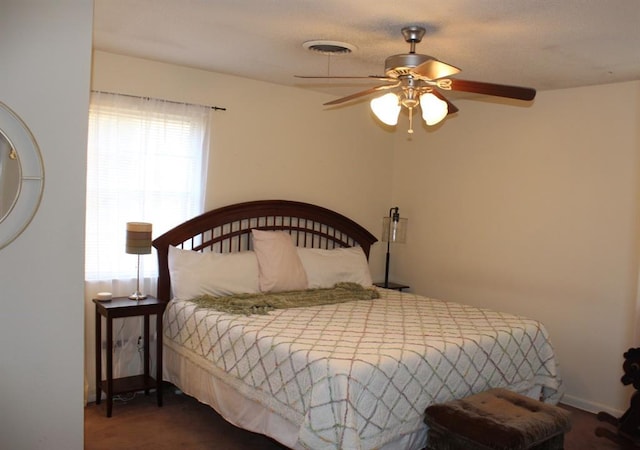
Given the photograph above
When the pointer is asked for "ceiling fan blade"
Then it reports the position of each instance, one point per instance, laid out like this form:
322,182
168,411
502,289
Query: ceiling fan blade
451,107
499,90
368,77
361,93
434,69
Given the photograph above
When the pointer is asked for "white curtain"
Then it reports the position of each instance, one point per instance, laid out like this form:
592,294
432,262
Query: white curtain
147,161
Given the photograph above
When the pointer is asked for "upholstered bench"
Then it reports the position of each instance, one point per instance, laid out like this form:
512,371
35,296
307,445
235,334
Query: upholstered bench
497,419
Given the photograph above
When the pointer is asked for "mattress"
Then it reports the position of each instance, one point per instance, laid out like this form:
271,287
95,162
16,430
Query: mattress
355,375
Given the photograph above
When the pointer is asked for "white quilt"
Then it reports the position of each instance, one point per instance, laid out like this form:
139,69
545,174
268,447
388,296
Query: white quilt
359,374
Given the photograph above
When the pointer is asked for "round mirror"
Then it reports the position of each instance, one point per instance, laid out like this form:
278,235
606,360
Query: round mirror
21,176
9,176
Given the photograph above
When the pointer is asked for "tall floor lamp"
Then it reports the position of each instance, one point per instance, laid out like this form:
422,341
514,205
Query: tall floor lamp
138,243
394,229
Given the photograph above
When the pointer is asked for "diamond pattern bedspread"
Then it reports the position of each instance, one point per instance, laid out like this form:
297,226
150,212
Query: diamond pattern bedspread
359,374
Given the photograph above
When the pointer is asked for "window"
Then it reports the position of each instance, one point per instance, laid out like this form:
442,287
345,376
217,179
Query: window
146,163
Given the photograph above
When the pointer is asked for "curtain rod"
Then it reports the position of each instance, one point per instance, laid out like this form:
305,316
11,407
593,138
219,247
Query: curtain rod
215,108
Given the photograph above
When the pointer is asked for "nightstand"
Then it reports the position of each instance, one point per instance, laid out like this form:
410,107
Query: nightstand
392,285
125,307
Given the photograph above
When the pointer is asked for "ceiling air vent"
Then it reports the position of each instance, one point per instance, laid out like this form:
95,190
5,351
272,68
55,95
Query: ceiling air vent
329,47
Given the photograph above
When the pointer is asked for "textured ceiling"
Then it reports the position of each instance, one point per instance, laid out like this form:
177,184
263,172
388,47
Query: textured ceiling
545,44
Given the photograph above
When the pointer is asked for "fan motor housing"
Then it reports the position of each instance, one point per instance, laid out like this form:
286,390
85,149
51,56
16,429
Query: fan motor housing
398,65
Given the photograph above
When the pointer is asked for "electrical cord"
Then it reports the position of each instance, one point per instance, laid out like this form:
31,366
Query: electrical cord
125,398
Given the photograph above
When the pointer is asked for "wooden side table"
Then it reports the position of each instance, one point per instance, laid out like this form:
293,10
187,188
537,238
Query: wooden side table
392,285
125,307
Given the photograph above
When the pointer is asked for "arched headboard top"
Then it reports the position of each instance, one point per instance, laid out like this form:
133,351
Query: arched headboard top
228,229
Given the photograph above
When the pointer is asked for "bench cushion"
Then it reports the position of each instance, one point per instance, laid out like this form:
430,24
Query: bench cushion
496,419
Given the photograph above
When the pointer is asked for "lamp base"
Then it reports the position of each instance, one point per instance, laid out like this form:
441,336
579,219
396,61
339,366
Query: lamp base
137,295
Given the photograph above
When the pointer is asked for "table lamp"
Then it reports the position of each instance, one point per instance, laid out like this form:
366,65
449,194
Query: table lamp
138,243
394,229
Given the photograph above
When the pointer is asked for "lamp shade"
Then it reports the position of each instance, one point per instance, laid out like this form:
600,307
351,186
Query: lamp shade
394,229
138,238
433,109
386,108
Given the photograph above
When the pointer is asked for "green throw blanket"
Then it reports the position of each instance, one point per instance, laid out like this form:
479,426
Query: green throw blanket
262,303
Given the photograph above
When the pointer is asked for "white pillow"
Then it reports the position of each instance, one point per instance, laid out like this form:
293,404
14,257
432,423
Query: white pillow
194,273
325,268
278,262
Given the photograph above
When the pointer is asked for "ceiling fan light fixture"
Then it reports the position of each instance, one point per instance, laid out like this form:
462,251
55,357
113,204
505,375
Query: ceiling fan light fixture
386,108
433,109
417,80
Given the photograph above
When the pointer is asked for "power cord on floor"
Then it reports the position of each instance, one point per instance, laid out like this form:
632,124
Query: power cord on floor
124,398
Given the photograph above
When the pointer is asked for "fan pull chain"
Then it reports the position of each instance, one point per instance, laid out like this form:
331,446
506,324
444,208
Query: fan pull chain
410,120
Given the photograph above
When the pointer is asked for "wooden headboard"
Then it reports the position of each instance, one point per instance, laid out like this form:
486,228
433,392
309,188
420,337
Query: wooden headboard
228,229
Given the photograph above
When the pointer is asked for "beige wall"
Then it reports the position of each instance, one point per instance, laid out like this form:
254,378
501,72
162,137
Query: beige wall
45,51
534,210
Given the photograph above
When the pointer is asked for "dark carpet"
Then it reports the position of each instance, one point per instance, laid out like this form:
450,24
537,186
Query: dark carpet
184,423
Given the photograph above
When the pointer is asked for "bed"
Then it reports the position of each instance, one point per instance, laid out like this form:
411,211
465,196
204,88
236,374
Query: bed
347,374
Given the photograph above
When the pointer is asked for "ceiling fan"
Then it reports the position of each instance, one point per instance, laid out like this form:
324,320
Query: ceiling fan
416,80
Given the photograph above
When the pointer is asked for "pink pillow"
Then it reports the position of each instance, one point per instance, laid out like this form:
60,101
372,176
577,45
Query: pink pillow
279,265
